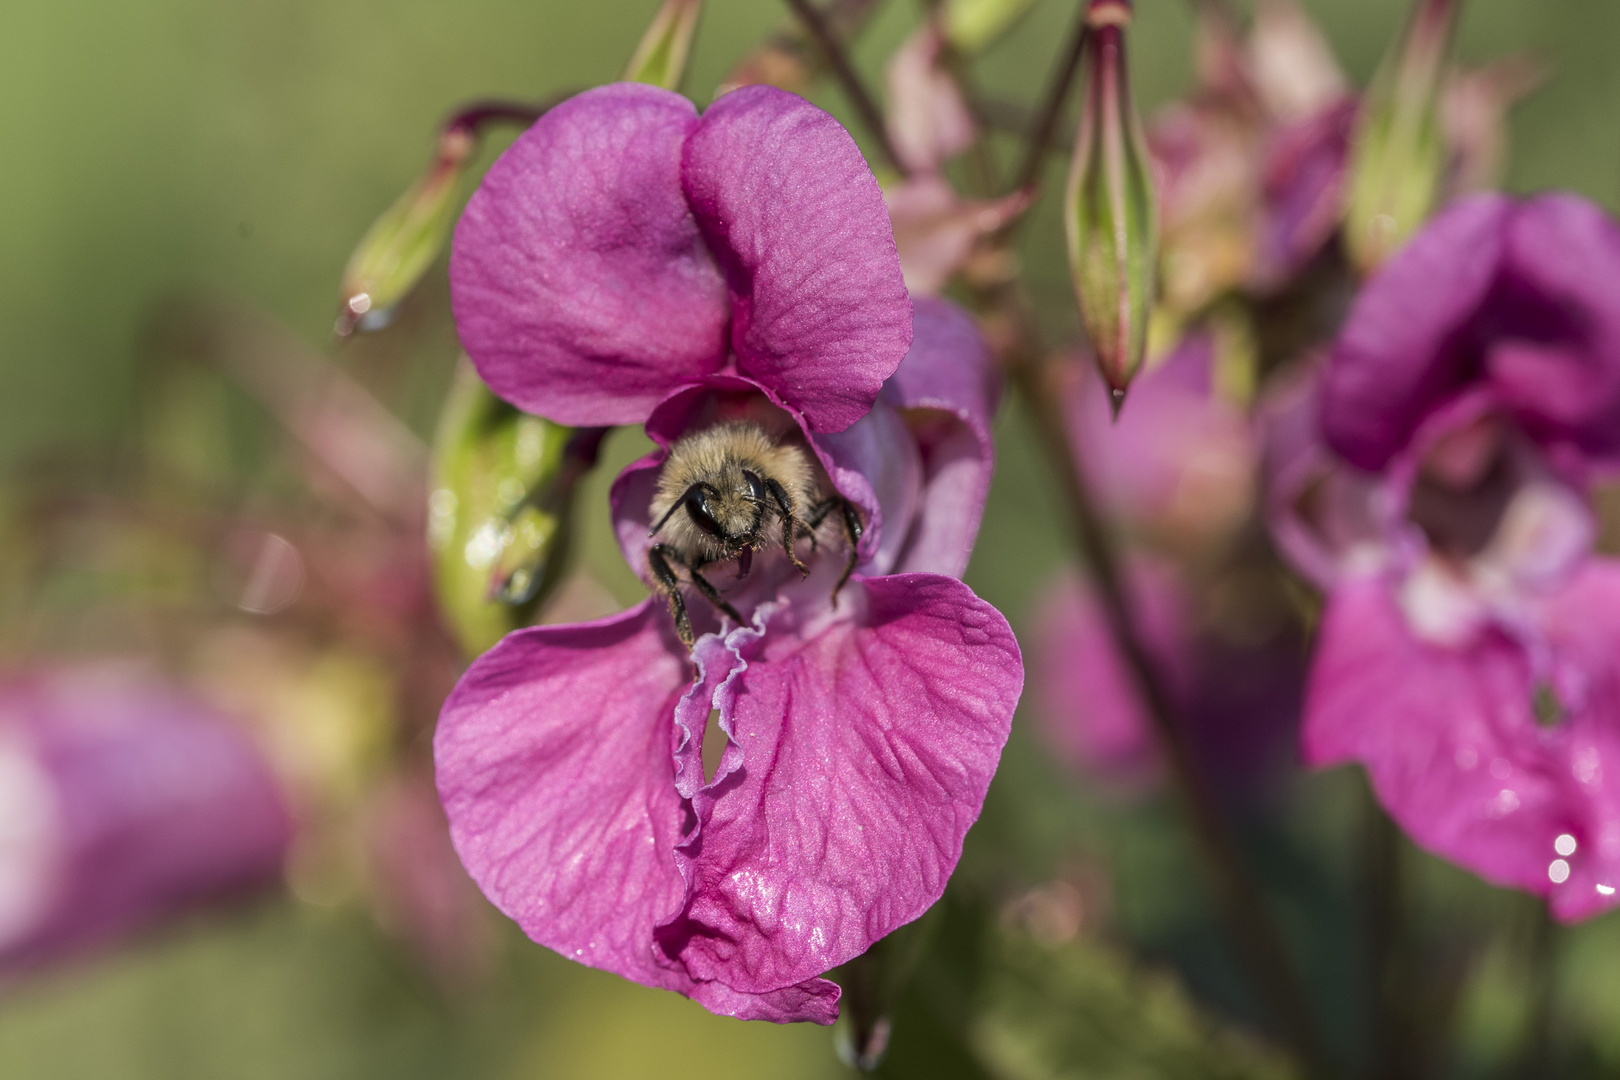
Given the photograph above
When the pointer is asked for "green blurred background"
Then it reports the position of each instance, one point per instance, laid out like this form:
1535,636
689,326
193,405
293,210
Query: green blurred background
164,147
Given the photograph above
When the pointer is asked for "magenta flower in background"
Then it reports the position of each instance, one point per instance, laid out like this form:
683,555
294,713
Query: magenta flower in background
1239,699
1250,170
1434,478
1090,710
1178,467
122,801
625,262
1179,463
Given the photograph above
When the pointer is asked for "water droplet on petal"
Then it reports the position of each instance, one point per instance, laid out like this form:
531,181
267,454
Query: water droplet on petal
1116,400
1565,844
1558,871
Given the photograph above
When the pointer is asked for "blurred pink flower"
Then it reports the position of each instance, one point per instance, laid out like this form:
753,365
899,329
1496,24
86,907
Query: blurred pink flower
1433,477
1179,462
1250,169
1090,710
1239,699
122,801
928,121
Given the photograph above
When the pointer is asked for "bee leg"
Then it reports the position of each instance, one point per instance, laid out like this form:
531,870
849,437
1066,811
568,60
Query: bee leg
790,524
818,514
851,520
712,595
658,557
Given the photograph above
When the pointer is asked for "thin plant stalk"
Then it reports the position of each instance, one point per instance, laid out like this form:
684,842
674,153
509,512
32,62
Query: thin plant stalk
1242,902
1058,88
1260,945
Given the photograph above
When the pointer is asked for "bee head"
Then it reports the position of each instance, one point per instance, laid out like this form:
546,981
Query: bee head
732,511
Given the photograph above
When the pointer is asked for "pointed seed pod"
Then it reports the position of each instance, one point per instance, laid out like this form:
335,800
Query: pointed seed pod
1109,210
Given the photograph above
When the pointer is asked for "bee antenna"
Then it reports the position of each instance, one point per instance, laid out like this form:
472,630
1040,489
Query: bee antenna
665,519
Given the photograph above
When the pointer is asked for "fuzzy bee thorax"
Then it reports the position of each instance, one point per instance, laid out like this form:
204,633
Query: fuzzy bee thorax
722,484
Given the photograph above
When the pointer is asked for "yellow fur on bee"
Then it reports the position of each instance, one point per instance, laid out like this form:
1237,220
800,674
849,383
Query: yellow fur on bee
719,456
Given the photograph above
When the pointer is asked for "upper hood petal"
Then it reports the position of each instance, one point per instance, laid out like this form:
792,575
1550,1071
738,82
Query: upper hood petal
1398,355
820,313
581,285
1563,257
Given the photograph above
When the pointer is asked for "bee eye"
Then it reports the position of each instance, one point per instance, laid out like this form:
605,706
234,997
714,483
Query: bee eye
756,486
696,501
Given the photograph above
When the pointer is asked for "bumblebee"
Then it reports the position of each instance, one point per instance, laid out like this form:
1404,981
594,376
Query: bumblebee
726,492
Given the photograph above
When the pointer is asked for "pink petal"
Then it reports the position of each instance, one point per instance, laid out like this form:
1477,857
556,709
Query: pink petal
928,121
861,749
820,312
881,448
554,764
581,285
1397,356
1304,177
814,1000
126,802
1324,516
948,387
1563,257
936,230
1179,460
1453,747
1091,712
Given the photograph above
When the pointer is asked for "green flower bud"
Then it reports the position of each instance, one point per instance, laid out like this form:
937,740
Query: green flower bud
1109,210
971,25
1398,157
498,516
398,249
660,59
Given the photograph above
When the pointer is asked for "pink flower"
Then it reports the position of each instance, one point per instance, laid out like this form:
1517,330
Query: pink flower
122,802
627,261
1178,464
1434,478
1239,699
1178,468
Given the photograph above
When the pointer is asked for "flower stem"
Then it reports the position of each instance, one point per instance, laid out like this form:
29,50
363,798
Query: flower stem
1057,95
474,116
1396,1050
1536,1053
1242,903
838,59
